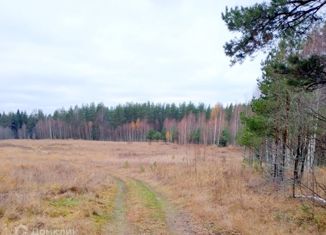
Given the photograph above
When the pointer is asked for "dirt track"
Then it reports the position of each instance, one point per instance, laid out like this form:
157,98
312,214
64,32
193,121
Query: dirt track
154,214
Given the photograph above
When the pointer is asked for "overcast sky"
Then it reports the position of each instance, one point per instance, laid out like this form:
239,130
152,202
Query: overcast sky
60,53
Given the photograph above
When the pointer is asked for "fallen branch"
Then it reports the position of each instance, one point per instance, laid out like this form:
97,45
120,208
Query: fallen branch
317,199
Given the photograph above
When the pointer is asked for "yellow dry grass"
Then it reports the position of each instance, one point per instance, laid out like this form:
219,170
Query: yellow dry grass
65,184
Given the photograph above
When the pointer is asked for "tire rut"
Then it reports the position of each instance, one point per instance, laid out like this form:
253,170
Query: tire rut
119,225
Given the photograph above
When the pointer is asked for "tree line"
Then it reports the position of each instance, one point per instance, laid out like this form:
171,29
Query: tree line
184,123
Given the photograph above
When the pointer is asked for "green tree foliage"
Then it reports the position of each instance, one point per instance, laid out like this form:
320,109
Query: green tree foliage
262,24
154,135
308,73
195,136
255,129
225,138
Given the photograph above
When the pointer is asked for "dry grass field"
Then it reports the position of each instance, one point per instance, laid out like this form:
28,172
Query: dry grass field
84,187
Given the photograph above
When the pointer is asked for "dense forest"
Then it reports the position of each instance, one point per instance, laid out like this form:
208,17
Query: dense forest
184,123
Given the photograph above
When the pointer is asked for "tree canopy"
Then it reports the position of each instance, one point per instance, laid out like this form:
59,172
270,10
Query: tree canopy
262,24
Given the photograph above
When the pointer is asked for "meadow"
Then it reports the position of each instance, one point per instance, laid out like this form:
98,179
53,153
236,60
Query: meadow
97,187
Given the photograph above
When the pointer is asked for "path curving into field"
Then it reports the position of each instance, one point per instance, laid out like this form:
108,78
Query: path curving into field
138,209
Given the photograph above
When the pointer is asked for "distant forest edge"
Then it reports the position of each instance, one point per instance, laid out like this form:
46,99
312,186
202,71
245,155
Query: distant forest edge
184,123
